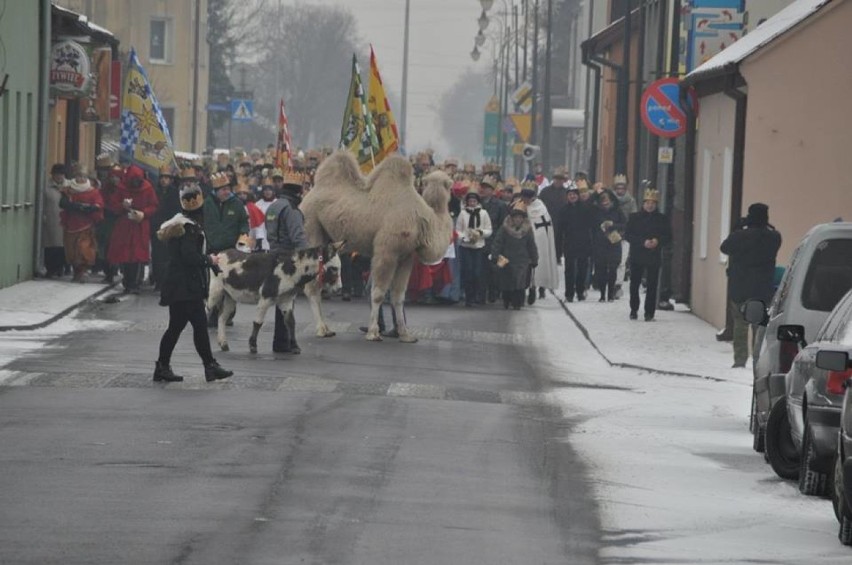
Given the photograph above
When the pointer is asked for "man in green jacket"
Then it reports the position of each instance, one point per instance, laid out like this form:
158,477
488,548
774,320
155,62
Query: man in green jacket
225,216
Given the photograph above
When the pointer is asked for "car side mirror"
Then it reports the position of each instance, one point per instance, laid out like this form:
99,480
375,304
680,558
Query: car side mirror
792,332
754,312
832,360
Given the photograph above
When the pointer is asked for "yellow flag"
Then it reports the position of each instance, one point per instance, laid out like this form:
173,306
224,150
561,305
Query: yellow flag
145,138
358,133
379,107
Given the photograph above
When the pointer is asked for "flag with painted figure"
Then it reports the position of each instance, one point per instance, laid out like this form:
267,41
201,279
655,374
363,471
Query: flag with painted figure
385,124
358,134
283,151
145,138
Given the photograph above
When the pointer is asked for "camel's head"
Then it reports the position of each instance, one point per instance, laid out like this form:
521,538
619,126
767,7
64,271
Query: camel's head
436,189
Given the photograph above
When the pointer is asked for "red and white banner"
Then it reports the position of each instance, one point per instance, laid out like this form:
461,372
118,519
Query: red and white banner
283,149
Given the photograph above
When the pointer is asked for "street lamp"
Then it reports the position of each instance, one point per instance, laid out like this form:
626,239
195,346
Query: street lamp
486,4
483,21
479,39
475,53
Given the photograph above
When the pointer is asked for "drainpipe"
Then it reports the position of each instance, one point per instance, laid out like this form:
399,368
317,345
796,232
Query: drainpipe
688,193
741,99
43,113
596,63
638,130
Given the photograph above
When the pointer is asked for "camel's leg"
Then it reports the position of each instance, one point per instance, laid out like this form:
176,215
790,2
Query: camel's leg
381,271
227,307
397,291
313,291
262,306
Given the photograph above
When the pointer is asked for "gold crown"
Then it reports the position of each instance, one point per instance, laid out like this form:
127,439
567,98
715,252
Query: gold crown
490,180
294,178
166,170
529,185
220,180
187,173
619,179
560,172
651,194
582,185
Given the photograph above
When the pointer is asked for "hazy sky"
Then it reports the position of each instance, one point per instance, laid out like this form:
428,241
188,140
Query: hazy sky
441,34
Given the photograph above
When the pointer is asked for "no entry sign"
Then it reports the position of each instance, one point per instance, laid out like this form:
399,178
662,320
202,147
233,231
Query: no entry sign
661,109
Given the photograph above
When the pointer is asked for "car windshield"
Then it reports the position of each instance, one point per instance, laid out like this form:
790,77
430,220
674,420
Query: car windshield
829,275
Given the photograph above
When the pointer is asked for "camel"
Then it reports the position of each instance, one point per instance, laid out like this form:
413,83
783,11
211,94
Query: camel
383,217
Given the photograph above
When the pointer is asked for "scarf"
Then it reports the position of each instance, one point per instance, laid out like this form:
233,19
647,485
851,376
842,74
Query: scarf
473,221
80,187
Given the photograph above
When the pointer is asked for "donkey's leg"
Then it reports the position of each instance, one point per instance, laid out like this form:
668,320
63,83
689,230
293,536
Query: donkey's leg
382,270
313,291
262,306
397,292
227,307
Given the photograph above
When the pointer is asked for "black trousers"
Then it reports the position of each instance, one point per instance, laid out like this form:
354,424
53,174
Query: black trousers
54,260
576,271
652,279
284,338
131,273
346,274
513,298
606,269
181,313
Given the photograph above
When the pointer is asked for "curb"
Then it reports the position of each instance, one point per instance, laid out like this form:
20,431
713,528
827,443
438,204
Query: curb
611,363
58,316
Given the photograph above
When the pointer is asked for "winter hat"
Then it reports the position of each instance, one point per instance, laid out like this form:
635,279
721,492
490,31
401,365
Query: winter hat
758,215
191,196
58,169
473,195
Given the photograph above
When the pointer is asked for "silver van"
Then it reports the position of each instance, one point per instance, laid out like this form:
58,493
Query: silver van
819,274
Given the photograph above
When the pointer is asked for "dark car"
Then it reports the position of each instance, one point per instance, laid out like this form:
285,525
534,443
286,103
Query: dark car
836,363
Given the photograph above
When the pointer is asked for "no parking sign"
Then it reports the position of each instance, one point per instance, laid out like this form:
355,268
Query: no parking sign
662,113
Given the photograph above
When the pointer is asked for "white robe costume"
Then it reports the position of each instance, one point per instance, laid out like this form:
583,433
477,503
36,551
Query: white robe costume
547,273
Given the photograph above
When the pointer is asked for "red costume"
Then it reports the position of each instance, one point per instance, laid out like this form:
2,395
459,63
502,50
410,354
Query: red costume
131,239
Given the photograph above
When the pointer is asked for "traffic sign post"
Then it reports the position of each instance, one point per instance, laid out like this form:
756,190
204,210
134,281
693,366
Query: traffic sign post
242,110
661,112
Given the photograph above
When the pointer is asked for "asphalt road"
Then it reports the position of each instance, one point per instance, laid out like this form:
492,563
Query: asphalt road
439,452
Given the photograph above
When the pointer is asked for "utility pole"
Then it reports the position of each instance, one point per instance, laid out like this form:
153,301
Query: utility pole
534,113
526,35
515,18
548,118
402,130
622,120
195,66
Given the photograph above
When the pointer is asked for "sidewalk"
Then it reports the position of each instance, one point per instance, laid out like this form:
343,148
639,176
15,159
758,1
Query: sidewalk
34,304
677,342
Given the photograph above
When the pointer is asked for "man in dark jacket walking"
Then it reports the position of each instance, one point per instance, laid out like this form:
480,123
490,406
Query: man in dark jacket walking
575,221
647,232
751,249
497,211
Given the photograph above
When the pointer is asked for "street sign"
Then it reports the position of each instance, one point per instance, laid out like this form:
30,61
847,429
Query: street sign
522,97
492,129
509,126
218,108
523,125
665,155
661,110
242,110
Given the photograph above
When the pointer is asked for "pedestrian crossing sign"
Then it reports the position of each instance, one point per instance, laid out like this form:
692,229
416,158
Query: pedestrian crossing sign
242,110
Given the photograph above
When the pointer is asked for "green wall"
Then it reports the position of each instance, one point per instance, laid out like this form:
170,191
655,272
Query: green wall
19,31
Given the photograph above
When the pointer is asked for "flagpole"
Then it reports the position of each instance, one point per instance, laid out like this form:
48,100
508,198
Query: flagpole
402,129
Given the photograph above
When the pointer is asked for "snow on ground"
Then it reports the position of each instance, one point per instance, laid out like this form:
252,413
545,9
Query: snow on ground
36,301
670,459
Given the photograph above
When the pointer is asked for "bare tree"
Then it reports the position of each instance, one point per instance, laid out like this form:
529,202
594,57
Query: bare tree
462,111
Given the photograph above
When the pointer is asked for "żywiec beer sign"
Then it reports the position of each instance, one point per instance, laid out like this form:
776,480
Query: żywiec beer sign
70,69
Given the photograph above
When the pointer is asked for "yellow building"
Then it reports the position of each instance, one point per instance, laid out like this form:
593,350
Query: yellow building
169,37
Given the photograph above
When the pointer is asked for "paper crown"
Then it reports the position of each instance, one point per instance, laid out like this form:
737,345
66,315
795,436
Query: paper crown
560,173
469,168
582,185
619,179
529,185
451,163
488,180
651,194
166,171
294,177
518,207
187,173
276,174
220,180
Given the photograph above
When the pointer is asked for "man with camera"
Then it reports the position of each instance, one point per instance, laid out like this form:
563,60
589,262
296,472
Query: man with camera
751,249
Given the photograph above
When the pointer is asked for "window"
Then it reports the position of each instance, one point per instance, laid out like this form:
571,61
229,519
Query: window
837,320
160,48
779,301
829,275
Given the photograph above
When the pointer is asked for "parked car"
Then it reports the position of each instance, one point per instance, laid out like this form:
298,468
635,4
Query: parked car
839,368
817,277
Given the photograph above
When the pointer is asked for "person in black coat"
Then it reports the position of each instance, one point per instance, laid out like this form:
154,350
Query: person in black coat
647,232
607,227
751,249
168,204
185,285
575,221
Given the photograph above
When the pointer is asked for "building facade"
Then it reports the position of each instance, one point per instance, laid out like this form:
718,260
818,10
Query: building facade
169,38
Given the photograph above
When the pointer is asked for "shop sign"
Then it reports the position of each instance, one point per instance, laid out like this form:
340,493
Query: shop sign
70,69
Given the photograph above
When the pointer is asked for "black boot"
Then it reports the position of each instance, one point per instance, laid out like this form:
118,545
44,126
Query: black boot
541,293
213,371
163,373
531,297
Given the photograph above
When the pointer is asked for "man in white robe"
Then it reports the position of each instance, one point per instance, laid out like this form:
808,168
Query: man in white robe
546,273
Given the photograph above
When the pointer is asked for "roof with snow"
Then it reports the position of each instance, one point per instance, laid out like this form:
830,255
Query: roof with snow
727,61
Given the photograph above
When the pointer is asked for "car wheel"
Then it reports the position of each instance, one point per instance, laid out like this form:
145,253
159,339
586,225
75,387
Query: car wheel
780,449
757,433
838,500
811,481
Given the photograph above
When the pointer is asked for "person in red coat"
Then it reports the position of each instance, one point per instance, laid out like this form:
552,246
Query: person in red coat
134,202
82,207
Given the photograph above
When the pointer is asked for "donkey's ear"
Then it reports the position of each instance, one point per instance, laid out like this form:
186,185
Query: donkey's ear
334,248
